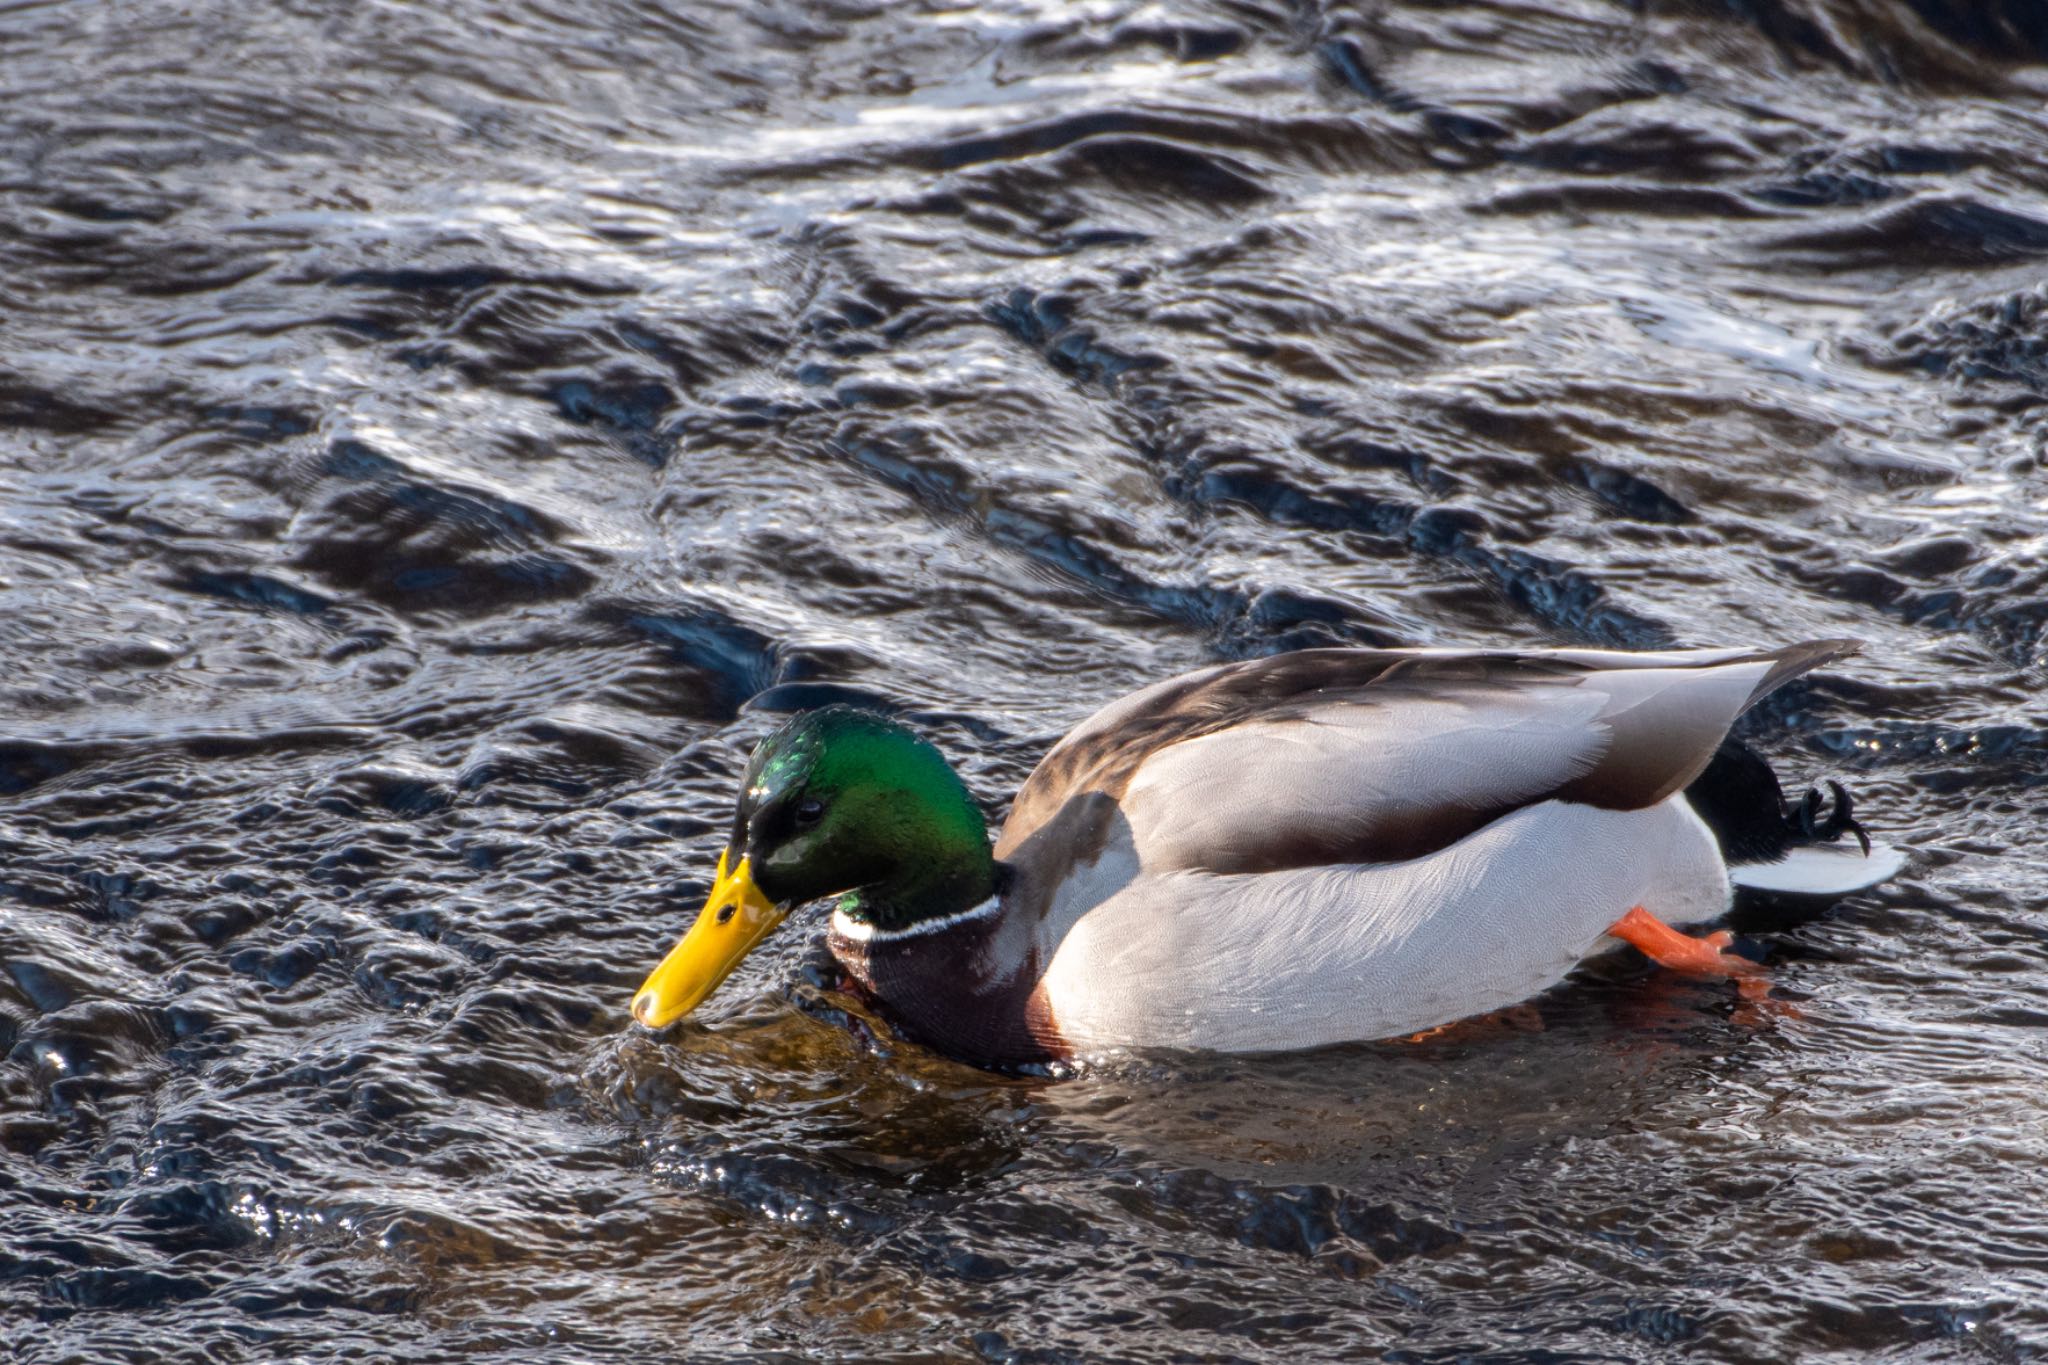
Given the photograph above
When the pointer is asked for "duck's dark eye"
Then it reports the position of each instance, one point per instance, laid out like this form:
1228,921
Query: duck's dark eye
808,810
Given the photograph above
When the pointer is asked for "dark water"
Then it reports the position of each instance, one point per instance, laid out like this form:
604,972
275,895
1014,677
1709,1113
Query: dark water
436,440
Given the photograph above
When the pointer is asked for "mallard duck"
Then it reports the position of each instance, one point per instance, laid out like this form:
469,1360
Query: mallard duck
1318,847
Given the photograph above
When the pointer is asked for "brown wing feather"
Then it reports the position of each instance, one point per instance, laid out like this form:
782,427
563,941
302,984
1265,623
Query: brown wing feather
1639,755
1102,753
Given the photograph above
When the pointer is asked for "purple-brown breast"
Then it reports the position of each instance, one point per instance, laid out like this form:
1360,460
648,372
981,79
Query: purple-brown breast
945,990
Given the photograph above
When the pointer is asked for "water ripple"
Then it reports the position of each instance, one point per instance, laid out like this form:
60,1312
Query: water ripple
440,441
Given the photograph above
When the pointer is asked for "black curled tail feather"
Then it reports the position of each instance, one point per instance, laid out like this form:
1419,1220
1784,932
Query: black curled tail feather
1739,798
1805,822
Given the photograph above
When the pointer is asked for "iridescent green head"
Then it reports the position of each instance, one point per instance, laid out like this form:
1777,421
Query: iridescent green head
843,800
837,802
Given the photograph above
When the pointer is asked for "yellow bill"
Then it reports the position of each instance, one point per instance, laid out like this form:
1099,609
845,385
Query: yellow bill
733,920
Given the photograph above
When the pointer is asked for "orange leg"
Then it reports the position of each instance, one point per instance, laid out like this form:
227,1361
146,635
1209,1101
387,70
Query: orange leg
1707,956
1666,947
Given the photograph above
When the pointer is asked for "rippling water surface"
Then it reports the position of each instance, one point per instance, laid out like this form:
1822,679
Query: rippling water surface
437,440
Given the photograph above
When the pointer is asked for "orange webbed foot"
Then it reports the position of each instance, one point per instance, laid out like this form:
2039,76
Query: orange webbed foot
1706,956
1759,1008
1666,947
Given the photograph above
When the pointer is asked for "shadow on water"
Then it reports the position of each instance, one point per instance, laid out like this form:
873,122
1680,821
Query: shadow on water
435,443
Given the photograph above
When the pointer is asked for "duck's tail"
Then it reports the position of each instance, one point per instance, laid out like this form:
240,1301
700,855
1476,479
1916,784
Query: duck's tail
1821,870
1812,847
